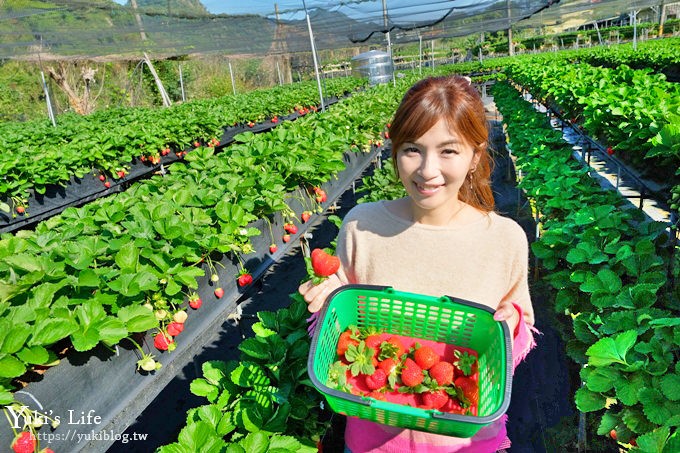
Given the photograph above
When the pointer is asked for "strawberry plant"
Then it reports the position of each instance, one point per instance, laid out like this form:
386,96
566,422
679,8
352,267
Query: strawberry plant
264,397
609,268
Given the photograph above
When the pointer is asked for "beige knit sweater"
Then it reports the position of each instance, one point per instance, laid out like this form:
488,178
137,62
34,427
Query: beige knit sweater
485,261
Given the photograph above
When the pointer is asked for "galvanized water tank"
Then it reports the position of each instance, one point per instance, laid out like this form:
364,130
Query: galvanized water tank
374,64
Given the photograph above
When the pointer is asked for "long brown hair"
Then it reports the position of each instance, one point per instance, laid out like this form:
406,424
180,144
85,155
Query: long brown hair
458,102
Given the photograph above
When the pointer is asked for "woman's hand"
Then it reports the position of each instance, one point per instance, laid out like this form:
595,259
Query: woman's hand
507,312
315,295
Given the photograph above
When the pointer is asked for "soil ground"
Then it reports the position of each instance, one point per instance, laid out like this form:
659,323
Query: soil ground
541,385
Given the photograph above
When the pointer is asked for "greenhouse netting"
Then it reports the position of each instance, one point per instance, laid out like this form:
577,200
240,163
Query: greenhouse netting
122,28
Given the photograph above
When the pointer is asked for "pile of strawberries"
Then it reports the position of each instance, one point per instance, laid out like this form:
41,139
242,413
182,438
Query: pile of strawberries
405,370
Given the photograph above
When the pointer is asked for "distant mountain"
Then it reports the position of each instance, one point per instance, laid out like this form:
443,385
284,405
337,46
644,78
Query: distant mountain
173,7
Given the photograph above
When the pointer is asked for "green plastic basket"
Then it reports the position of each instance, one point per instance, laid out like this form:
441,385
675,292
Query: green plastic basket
442,319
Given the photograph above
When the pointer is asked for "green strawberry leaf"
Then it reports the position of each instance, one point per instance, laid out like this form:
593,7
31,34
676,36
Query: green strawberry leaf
654,441
654,405
670,386
587,401
610,350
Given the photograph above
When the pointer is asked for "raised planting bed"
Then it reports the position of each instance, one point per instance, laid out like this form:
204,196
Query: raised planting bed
97,394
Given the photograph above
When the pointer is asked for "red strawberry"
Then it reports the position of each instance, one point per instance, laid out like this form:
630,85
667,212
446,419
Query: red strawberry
286,238
195,303
290,228
435,399
162,341
411,374
425,357
612,434
610,150
120,173
305,216
453,406
344,341
377,395
175,328
20,209
324,264
24,443
442,372
273,248
392,347
388,365
245,279
377,380
469,388
107,184
219,292
373,342
102,178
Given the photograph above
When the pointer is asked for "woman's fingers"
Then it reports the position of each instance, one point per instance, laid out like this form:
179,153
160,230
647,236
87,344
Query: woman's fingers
503,312
507,312
315,295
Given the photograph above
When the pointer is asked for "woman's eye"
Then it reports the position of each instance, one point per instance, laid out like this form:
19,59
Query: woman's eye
410,150
449,151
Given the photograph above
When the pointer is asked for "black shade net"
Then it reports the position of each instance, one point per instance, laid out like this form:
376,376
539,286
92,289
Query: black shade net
166,28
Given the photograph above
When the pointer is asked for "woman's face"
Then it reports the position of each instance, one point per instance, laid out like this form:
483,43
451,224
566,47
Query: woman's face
432,168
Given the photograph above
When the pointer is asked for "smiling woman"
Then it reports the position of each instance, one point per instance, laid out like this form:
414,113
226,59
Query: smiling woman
443,238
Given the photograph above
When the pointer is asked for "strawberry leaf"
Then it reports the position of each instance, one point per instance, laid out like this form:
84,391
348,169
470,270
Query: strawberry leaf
587,401
464,362
611,350
361,359
654,405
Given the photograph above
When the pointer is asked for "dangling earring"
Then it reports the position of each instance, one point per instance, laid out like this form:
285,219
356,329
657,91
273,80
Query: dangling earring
470,177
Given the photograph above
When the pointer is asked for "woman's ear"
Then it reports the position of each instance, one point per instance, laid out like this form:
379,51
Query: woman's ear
476,157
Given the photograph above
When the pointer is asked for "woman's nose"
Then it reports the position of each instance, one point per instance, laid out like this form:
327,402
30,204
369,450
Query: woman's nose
429,166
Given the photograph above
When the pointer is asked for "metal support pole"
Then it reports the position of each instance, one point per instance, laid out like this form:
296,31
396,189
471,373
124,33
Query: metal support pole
389,41
316,63
181,84
231,73
420,53
50,112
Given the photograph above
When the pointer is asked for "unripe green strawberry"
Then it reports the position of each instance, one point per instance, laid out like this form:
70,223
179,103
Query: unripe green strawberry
180,316
160,314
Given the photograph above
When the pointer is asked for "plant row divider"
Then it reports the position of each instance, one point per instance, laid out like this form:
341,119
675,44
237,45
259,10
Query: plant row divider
79,191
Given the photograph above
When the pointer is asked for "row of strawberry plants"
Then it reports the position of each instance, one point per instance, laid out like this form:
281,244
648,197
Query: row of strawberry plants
106,270
636,112
612,276
266,395
264,401
657,55
35,155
